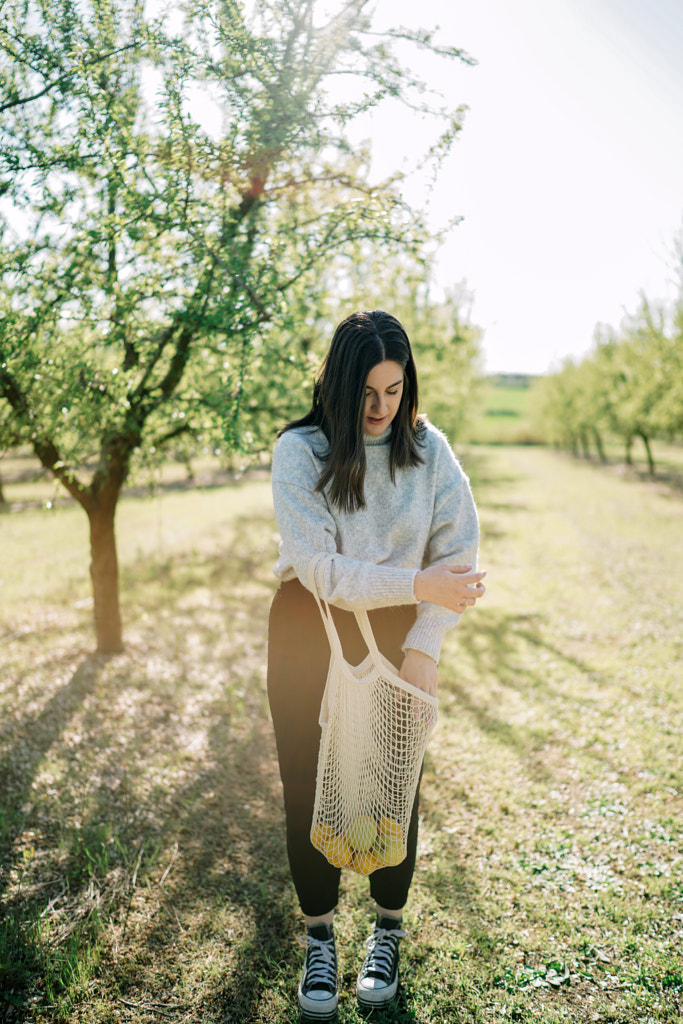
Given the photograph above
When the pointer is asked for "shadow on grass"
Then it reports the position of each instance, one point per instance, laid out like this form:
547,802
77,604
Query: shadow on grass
493,652
168,823
161,846
667,478
225,814
492,644
494,640
482,467
23,900
27,744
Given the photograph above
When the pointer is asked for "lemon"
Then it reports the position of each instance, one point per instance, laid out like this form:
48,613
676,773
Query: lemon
362,833
391,851
338,852
321,833
389,827
364,862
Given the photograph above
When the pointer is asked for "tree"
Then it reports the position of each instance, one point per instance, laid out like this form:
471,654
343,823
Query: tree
558,404
629,386
640,371
146,279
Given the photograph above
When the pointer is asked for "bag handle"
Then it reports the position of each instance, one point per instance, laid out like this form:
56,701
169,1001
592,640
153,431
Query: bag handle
326,614
363,621
365,627
330,628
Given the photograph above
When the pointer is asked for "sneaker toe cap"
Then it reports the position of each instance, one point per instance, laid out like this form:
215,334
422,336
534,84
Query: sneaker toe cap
372,984
320,994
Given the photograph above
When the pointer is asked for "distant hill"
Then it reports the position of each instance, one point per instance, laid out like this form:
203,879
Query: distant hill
510,380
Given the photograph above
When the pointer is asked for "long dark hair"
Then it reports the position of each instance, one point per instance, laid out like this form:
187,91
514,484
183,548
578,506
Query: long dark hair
360,342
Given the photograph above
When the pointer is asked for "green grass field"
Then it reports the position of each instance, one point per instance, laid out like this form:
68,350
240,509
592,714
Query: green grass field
503,413
141,828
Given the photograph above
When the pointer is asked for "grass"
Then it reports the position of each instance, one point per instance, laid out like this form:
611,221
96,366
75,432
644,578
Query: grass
143,864
503,413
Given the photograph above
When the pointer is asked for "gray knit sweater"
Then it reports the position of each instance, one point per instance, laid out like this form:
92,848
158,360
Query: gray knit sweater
427,516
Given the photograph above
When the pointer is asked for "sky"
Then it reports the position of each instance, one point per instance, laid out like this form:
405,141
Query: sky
568,174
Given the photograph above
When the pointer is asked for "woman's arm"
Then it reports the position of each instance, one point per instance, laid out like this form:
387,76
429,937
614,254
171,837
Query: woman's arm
450,583
461,588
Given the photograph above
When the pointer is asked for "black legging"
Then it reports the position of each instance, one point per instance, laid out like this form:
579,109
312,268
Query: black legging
298,658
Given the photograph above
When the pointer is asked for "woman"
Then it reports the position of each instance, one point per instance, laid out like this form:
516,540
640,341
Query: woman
361,478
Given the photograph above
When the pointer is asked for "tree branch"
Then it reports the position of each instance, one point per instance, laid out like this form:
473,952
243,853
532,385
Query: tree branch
164,339
184,428
43,447
63,78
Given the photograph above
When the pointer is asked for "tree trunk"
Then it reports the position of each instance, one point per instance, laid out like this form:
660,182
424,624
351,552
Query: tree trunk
3,502
104,571
598,444
648,449
629,444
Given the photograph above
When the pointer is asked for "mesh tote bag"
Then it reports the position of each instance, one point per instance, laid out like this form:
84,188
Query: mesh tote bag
375,729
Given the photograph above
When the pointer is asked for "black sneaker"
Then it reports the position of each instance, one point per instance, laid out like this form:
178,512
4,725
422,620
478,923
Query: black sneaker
318,996
377,982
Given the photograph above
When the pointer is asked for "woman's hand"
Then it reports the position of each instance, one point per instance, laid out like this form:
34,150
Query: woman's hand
420,670
452,586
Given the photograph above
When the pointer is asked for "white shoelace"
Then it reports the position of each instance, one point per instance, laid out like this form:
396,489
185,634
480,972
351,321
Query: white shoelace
321,963
381,952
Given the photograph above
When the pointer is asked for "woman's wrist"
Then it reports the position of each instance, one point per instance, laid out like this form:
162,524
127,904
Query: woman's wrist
413,651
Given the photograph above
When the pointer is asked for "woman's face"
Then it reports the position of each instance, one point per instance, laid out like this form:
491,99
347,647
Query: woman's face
383,391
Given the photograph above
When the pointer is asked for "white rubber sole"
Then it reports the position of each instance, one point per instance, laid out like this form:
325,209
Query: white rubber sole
374,999
318,1009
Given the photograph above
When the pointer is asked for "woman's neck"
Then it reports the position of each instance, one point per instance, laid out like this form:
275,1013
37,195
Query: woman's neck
378,439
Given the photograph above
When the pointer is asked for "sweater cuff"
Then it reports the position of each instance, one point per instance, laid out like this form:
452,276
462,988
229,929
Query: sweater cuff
427,635
398,588
373,587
